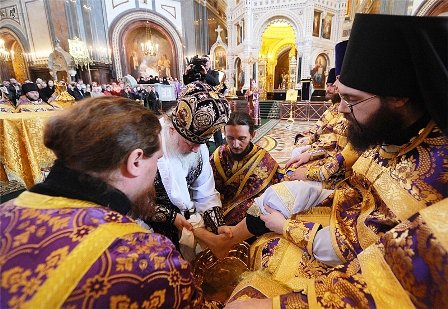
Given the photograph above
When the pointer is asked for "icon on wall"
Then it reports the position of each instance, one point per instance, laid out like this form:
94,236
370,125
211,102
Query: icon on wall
326,26
316,23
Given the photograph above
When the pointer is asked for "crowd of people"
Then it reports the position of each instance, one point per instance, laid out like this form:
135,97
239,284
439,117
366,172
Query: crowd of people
144,90
356,218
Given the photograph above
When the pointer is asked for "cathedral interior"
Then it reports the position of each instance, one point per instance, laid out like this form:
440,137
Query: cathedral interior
276,55
278,43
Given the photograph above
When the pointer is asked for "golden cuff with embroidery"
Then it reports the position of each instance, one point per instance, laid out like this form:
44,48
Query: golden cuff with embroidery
313,173
317,154
301,233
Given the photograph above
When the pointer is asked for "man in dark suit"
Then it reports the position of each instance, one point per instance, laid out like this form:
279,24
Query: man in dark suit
153,100
74,91
211,76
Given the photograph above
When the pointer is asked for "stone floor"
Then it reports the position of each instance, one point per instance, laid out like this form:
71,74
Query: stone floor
276,136
279,138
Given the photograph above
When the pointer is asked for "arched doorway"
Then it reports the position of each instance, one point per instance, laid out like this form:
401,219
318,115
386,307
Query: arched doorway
124,24
281,70
137,62
12,60
278,40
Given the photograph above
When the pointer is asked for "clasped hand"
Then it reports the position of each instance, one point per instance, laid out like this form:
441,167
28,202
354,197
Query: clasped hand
274,220
300,159
180,222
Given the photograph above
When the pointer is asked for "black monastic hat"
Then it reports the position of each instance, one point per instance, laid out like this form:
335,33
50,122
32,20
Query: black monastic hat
331,76
27,87
400,56
339,53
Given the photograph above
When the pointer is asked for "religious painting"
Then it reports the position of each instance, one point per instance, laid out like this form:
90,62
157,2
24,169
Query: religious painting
316,23
318,72
239,77
140,62
220,58
348,8
164,66
326,26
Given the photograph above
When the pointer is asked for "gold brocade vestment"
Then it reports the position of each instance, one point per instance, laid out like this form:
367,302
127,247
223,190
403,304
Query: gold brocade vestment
384,190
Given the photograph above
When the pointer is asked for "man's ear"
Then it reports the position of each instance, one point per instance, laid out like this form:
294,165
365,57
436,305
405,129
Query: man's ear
398,102
134,162
252,135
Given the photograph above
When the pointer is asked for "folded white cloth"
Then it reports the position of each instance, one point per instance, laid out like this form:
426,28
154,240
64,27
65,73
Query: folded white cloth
292,197
189,247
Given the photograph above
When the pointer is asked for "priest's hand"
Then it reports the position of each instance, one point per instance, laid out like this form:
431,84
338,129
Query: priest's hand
303,158
298,174
300,159
274,220
180,222
227,230
250,304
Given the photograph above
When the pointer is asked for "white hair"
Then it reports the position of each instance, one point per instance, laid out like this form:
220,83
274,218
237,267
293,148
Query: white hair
172,140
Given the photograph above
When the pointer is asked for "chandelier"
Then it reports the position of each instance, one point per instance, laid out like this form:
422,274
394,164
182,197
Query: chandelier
148,47
4,53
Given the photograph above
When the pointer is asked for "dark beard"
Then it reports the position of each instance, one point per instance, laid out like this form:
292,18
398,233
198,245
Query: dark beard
143,207
335,98
379,127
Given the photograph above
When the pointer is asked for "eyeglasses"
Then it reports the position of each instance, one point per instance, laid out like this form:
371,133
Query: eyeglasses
350,106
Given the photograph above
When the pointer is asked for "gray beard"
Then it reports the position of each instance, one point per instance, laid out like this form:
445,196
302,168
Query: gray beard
189,161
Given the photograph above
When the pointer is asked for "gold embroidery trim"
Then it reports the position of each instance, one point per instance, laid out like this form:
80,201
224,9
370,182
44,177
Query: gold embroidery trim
256,250
366,236
236,172
254,161
257,158
397,199
218,164
61,282
39,201
421,136
263,283
316,214
287,257
436,218
311,293
311,236
286,196
333,218
383,285
276,302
